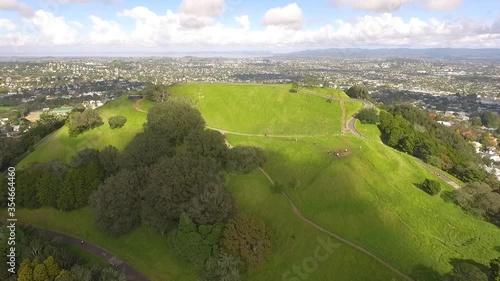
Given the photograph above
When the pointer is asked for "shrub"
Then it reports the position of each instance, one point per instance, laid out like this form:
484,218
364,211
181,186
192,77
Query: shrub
117,122
432,187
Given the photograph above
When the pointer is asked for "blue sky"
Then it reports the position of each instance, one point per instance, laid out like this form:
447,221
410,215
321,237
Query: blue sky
34,25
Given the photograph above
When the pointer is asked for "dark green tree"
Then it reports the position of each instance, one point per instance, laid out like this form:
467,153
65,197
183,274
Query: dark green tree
358,92
174,121
244,159
431,187
191,243
247,237
116,203
495,269
117,122
222,266
368,116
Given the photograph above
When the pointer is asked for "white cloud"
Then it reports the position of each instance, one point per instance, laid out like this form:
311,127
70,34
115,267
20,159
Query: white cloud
243,21
394,5
14,5
52,30
168,31
105,32
204,8
444,5
76,23
7,25
290,16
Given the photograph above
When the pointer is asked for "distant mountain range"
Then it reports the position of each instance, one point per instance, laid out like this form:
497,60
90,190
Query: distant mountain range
449,53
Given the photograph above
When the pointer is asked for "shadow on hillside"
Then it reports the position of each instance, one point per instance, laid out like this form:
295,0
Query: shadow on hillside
497,248
447,196
482,267
423,272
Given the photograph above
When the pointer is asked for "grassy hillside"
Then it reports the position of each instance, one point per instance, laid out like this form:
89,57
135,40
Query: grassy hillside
263,109
61,146
143,248
296,242
367,196
370,197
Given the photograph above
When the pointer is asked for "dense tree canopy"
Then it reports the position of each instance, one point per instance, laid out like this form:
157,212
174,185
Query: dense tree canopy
244,159
174,121
358,92
368,116
156,92
222,266
191,243
80,122
177,184
478,199
116,203
247,237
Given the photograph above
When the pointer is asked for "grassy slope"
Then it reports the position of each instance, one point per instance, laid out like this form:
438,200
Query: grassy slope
143,248
60,146
352,108
261,109
295,241
380,210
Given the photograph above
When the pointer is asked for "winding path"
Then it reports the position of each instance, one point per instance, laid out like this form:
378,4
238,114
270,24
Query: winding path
299,214
128,270
350,126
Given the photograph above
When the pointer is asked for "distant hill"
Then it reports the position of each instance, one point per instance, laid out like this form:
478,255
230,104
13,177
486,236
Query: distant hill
399,53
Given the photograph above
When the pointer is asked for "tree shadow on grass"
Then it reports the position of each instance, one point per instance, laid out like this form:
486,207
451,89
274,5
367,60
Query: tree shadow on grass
497,248
484,268
447,196
423,272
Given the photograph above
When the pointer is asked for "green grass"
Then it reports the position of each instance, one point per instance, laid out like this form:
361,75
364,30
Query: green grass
371,131
6,108
263,109
86,257
295,241
353,108
63,147
143,248
369,197
337,93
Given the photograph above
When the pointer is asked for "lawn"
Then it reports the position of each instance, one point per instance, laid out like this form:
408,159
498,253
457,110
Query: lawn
381,210
337,93
143,248
370,131
61,146
353,108
263,109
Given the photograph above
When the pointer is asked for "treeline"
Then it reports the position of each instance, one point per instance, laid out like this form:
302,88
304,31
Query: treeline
171,177
44,258
11,149
410,130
